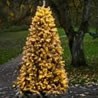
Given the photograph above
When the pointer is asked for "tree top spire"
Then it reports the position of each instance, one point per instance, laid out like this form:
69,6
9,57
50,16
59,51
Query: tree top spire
44,3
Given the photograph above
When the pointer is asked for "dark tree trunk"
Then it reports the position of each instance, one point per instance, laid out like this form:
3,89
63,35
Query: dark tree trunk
78,57
75,42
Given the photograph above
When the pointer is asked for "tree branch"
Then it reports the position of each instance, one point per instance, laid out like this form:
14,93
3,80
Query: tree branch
85,16
65,18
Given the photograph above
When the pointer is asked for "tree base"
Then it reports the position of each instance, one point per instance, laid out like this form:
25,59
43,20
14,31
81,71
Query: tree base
29,95
79,64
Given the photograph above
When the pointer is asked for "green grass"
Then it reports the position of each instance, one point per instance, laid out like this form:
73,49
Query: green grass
91,48
11,44
13,28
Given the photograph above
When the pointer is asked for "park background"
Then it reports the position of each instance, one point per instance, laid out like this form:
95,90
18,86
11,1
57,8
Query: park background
15,19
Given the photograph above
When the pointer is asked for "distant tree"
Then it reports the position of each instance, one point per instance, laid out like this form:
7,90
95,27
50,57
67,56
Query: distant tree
17,10
3,15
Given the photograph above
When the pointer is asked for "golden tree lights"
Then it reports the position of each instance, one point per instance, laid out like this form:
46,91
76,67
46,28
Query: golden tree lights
42,68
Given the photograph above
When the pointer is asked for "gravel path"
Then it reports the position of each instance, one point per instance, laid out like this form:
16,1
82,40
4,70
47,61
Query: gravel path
8,73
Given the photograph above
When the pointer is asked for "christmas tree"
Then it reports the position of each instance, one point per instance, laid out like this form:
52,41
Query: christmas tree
42,69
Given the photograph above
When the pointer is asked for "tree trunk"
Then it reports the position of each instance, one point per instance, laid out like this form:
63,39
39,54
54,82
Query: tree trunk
78,57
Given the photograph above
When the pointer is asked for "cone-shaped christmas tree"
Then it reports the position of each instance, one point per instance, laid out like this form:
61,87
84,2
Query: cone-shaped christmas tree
42,68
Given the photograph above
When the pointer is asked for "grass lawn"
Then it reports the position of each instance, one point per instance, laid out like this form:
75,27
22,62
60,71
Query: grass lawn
11,44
